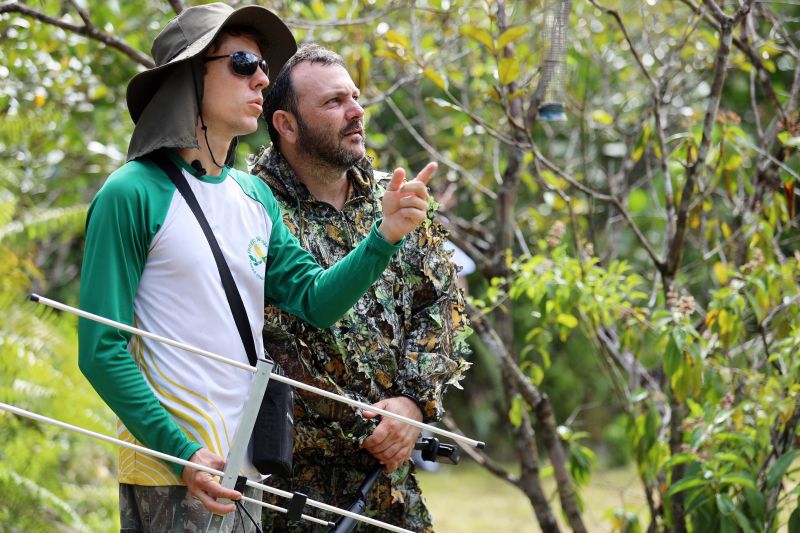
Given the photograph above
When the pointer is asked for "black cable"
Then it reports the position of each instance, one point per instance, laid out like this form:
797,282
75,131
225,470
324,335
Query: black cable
241,507
239,514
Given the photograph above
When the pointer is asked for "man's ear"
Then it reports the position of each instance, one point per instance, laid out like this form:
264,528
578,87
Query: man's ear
285,124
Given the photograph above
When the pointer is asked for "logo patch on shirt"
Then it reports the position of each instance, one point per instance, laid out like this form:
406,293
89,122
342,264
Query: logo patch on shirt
257,252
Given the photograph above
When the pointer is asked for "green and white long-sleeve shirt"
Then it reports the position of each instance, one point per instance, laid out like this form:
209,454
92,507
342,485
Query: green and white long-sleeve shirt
147,263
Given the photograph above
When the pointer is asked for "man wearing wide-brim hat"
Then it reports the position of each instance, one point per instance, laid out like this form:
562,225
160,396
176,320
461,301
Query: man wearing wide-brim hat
148,263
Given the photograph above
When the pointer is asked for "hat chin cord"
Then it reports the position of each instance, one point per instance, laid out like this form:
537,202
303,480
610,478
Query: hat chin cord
200,113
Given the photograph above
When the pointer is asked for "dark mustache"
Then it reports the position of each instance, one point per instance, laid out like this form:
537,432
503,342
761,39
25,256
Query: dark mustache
353,126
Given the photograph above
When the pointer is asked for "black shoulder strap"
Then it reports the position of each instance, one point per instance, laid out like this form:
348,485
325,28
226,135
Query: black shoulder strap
234,298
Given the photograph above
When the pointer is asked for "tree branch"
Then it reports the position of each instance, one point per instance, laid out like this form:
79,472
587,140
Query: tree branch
397,85
606,198
747,50
87,21
675,251
438,156
87,30
335,23
491,130
540,404
615,14
479,456
482,262
177,6
529,479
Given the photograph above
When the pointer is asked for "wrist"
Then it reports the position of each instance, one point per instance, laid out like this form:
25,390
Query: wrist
387,234
417,408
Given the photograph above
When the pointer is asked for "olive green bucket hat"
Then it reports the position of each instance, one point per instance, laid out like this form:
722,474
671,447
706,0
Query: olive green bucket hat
161,100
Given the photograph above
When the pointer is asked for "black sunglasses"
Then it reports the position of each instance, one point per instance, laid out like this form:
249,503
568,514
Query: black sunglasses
243,63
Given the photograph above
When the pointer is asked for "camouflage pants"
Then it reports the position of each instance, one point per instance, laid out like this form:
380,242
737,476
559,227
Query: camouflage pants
395,499
174,510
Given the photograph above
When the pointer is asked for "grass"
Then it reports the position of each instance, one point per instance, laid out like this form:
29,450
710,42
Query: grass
467,499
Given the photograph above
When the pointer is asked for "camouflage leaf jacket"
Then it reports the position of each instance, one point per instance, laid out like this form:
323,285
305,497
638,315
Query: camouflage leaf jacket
404,337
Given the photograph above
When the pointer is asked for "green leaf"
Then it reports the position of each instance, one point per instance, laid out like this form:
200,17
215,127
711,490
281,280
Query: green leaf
511,35
686,483
788,141
740,480
508,70
794,521
680,459
444,104
318,8
742,521
672,357
756,503
478,34
727,525
568,320
680,334
536,374
755,307
602,117
729,457
779,468
435,78
725,504
637,201
733,162
515,413
552,179
397,38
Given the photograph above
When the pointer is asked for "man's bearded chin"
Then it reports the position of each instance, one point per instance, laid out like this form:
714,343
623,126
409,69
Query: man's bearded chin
330,151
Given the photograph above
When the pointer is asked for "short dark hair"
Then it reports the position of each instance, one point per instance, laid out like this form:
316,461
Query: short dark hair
281,95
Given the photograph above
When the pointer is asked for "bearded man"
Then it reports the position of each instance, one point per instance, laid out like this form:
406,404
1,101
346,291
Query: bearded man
400,346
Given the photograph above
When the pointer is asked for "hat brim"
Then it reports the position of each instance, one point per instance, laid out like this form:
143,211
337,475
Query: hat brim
277,36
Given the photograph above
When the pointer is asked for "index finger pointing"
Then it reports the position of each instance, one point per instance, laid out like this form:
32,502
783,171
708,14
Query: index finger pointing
398,178
425,174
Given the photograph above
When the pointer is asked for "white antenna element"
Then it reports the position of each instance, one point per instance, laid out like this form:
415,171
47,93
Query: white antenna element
244,366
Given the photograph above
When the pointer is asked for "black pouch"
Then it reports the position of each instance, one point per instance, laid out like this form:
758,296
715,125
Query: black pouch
273,433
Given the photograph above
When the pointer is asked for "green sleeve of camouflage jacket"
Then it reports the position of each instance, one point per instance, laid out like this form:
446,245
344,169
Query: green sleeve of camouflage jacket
437,327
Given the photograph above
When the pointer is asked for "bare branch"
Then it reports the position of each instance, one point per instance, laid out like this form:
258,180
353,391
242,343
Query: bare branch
669,194
87,21
438,156
529,479
615,14
405,80
775,23
540,404
87,30
717,12
626,362
752,56
482,262
334,23
491,130
177,6
489,336
606,198
479,456
794,94
788,303
675,251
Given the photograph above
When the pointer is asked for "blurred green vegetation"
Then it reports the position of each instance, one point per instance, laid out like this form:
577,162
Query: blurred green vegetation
468,499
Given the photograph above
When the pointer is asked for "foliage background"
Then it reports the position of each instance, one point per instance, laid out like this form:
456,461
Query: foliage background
636,292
